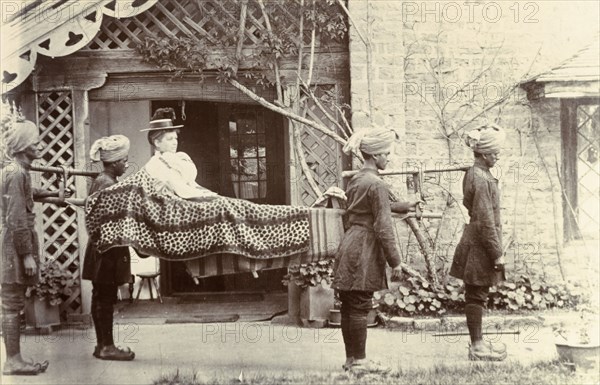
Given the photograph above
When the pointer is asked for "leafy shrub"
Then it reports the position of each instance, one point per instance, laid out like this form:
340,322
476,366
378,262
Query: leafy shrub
417,297
310,274
54,283
524,294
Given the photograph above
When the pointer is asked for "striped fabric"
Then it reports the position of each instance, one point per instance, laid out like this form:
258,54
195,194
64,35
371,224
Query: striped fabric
326,231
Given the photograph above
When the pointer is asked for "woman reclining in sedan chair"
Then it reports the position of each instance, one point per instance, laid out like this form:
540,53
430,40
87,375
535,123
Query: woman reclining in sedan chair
161,211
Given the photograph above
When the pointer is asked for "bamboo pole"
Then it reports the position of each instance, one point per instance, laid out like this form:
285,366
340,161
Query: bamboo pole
80,202
63,170
351,173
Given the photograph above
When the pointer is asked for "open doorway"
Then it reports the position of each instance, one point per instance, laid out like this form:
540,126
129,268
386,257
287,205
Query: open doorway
239,152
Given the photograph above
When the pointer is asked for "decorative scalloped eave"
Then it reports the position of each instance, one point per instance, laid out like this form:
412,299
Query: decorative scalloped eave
56,32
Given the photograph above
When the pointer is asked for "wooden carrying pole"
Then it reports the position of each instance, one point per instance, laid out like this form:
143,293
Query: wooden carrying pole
63,170
414,221
65,173
351,173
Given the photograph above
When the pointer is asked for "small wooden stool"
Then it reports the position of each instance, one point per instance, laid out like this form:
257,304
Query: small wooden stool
150,278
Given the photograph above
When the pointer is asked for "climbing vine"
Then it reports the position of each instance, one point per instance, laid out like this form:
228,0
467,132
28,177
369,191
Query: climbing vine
174,54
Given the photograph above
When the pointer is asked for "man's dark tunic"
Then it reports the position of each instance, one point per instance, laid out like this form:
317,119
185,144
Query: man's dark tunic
112,266
369,241
481,243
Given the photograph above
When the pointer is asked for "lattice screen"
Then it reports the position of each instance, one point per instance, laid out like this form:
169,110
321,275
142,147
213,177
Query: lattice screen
59,224
214,21
323,154
588,168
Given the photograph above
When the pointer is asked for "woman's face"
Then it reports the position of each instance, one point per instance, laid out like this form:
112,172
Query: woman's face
167,142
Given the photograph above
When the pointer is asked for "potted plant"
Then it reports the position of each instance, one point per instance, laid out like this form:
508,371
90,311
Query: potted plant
335,317
310,292
45,296
578,344
372,315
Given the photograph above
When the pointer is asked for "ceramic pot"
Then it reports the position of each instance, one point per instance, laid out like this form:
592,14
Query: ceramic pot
40,314
579,356
315,303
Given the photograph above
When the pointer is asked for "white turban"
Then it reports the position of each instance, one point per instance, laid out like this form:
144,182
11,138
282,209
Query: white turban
374,141
110,148
22,134
487,139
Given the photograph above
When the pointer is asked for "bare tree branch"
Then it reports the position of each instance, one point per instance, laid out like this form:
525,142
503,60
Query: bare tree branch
271,39
349,130
312,49
300,54
367,43
241,31
318,126
314,98
360,35
300,152
297,102
537,146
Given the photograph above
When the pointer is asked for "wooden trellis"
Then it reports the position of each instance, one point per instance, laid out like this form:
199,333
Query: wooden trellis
58,225
323,154
212,22
588,167
216,23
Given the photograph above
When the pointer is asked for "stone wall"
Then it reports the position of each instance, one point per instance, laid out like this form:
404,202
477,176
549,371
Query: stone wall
439,69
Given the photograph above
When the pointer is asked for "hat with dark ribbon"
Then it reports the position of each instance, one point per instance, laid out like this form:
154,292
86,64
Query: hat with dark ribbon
162,120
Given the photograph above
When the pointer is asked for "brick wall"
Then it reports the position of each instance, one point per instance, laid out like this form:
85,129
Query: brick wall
422,54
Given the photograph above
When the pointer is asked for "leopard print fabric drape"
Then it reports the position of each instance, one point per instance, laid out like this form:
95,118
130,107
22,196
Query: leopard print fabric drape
132,213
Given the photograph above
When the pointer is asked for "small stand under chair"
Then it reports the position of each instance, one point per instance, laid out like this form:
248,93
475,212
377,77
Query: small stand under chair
149,277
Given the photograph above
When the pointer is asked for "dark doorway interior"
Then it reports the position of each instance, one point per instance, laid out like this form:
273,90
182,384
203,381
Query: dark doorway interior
239,152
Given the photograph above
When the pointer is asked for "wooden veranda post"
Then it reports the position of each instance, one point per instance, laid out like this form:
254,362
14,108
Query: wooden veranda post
81,138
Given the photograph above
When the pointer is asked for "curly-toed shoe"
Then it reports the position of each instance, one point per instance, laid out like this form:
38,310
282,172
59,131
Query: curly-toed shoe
498,347
368,366
486,352
20,368
114,353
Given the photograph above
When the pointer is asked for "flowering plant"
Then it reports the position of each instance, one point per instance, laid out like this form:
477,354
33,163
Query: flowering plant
310,274
54,283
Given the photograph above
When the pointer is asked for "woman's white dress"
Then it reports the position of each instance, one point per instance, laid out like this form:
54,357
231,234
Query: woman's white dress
175,173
